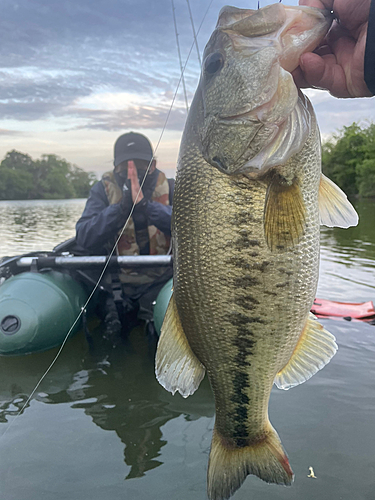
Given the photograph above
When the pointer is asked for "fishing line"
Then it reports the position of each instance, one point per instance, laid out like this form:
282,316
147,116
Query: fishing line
179,55
194,34
83,309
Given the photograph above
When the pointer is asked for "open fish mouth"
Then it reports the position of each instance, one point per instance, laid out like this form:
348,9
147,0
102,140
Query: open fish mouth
297,30
261,47
293,30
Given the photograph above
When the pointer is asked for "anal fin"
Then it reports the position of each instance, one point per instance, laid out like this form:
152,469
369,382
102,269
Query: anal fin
284,214
176,366
334,207
315,348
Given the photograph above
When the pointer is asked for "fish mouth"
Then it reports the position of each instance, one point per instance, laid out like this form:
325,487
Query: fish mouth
306,29
301,30
291,30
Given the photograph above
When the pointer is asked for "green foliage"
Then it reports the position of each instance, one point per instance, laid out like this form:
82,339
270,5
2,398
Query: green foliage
366,178
349,160
50,177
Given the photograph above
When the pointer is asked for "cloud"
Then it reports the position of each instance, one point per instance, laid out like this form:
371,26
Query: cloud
132,117
10,132
54,53
57,52
334,113
109,65
33,30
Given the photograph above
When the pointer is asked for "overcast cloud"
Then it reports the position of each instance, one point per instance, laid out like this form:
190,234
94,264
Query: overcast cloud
76,74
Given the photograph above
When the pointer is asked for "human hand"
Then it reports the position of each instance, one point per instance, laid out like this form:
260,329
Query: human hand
337,65
134,182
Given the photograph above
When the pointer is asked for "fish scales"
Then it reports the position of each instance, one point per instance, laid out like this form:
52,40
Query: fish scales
223,327
248,201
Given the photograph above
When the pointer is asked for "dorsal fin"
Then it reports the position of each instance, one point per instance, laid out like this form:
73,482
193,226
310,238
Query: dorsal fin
334,207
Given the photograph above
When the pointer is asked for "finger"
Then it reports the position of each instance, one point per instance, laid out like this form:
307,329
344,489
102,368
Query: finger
324,73
320,4
350,55
132,170
352,14
299,79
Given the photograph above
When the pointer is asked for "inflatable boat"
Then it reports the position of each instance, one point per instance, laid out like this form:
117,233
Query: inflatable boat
44,296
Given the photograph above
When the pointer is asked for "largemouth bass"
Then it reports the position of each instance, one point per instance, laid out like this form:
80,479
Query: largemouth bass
248,202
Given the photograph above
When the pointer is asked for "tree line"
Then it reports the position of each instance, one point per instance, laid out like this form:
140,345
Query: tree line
349,160
50,177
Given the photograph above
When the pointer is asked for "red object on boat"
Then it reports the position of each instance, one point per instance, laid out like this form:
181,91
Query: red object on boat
325,308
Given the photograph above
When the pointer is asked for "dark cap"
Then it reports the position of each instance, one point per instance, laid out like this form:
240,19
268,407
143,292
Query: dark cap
132,146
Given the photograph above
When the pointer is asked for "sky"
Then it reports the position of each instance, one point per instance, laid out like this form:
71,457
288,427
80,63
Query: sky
76,74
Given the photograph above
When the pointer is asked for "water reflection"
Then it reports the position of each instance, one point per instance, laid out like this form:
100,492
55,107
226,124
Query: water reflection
348,256
115,387
108,396
356,241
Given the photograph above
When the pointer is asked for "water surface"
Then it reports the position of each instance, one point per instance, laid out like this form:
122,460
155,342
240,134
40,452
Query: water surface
100,426
32,225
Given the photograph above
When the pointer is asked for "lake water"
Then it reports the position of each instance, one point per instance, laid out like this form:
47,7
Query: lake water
100,426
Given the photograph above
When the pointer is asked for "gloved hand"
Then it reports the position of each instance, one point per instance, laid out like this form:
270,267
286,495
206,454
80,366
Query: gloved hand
131,195
126,201
140,214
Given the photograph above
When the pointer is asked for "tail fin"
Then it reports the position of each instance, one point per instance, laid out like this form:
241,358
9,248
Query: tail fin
229,466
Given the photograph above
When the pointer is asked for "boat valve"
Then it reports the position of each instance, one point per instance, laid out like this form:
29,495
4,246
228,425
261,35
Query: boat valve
10,325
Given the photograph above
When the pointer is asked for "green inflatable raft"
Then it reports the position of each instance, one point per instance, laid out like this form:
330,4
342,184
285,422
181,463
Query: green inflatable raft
41,299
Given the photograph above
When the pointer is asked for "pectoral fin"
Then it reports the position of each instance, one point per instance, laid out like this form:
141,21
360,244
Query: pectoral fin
334,207
284,214
314,350
176,366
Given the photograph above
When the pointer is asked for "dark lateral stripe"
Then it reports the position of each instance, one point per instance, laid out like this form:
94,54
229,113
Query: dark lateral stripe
246,281
244,343
247,302
245,218
240,412
244,242
242,263
238,319
261,266
239,262
269,292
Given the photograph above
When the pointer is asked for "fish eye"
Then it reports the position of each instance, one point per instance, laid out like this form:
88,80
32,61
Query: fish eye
213,63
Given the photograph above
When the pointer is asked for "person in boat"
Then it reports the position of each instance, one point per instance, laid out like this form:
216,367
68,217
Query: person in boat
147,231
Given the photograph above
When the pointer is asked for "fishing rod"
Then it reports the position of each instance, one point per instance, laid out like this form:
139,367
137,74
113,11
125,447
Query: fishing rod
179,56
194,33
